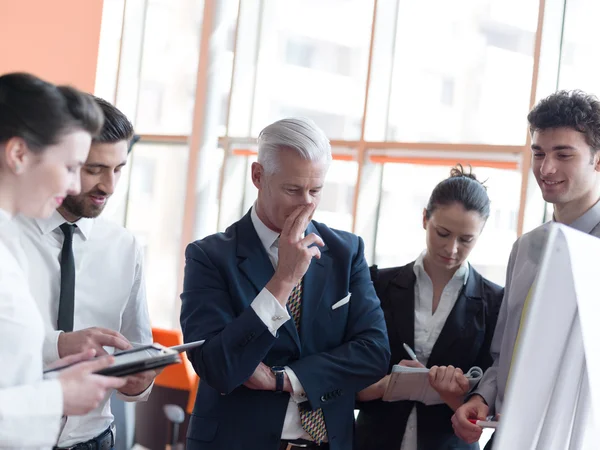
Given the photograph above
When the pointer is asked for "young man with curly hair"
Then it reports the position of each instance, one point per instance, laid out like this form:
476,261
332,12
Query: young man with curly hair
565,138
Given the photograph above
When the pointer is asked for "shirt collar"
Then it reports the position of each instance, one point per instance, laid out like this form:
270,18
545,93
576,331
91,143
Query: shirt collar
461,273
589,220
265,234
84,225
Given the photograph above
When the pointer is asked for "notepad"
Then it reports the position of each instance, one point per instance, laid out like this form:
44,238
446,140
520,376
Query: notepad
412,383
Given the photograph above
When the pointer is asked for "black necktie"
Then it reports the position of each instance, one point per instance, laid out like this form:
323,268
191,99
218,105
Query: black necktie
66,306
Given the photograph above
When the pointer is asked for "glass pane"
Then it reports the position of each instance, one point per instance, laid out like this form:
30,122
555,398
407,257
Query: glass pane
405,191
580,66
155,216
313,62
335,209
108,49
169,66
463,74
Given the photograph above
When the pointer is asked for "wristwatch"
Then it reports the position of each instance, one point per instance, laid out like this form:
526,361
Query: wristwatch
278,371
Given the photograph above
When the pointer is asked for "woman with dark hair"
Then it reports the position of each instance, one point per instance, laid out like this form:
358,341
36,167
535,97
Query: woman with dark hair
45,136
443,309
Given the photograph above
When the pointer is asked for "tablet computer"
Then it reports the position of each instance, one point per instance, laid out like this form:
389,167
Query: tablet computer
132,361
140,359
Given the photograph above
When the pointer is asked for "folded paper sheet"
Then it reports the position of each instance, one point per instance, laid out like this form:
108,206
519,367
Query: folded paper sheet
411,383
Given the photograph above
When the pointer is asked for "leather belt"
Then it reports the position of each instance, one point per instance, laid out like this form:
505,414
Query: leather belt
104,441
301,443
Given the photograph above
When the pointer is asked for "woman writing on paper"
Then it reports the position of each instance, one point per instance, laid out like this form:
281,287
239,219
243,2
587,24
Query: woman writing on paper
442,308
45,136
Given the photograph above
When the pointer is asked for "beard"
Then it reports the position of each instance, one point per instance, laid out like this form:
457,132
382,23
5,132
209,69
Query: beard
81,206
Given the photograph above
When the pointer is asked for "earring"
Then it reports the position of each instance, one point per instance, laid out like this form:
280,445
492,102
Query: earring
17,168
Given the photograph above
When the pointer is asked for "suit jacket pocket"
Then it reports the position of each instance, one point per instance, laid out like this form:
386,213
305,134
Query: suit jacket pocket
202,429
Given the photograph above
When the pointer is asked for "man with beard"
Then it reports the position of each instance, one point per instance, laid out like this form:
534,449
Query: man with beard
86,276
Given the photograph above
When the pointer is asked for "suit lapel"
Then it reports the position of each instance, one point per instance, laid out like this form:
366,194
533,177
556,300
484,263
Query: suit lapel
399,305
467,306
255,264
314,285
253,259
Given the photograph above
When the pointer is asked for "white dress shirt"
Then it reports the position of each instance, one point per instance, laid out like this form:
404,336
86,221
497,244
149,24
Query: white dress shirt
30,408
109,293
270,311
428,326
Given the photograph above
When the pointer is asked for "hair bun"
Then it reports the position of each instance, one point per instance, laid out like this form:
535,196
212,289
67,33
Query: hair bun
459,171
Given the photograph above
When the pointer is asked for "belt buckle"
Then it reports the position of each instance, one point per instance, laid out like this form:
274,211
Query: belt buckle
291,446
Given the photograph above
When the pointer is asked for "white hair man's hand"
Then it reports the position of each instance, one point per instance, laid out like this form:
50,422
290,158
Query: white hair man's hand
295,253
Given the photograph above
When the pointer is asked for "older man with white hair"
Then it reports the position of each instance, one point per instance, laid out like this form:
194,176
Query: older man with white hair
292,325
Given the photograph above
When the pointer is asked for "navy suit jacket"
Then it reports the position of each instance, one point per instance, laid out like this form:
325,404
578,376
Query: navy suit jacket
463,342
337,352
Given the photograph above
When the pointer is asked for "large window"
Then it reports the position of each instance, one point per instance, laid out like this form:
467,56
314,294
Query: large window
477,77
403,88
579,67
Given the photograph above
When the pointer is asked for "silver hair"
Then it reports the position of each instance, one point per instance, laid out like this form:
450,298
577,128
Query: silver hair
297,133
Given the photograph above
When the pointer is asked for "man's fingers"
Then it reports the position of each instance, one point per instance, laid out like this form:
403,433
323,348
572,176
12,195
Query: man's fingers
96,365
111,382
468,436
301,222
315,252
72,359
106,340
467,431
100,351
463,420
109,332
312,238
291,220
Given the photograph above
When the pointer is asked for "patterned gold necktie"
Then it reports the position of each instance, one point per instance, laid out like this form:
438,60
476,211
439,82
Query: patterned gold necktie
312,421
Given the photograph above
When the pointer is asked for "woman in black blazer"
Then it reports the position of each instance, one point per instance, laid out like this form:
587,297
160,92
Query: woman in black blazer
443,309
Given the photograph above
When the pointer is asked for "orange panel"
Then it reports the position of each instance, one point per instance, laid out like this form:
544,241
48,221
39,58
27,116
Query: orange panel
178,376
509,165
55,40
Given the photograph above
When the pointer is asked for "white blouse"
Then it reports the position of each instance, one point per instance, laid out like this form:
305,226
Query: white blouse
428,326
30,408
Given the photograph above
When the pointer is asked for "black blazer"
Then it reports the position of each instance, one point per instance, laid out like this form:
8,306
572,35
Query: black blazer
463,342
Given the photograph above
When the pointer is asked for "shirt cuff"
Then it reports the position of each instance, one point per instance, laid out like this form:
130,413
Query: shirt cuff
270,311
50,348
298,394
141,397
